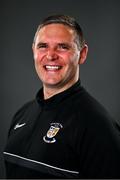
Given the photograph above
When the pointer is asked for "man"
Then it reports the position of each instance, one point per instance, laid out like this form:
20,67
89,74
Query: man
64,132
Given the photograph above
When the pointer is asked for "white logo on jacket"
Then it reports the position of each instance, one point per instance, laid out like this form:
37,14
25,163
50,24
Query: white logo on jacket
19,125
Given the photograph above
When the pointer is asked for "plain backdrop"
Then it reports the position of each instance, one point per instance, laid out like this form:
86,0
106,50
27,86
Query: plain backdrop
100,20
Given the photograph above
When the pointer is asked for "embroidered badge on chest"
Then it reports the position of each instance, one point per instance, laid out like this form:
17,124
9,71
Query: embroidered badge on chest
52,132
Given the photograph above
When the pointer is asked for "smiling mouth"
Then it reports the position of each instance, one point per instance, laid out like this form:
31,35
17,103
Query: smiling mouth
52,67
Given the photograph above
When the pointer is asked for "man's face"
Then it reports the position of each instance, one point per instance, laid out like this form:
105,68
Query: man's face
56,56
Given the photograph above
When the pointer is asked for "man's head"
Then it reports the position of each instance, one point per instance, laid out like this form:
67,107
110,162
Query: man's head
68,21
58,49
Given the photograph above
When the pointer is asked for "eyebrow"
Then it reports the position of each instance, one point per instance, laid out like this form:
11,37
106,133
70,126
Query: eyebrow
41,43
66,44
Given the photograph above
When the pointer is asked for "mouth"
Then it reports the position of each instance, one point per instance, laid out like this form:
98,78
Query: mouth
52,67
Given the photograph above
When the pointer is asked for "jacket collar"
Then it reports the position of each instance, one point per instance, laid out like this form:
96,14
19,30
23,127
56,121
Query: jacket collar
58,98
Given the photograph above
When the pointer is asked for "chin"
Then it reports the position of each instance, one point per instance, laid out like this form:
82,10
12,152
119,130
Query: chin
52,84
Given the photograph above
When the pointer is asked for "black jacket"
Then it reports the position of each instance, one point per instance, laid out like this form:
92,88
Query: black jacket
69,135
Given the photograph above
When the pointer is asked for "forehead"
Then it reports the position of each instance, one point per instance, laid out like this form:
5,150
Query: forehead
56,31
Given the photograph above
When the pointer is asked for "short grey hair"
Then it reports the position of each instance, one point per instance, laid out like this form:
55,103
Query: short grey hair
68,21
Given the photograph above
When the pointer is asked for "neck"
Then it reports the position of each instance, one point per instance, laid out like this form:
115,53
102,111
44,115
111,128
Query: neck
51,91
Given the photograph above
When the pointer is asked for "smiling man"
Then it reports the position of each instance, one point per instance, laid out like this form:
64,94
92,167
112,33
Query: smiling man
57,57
64,132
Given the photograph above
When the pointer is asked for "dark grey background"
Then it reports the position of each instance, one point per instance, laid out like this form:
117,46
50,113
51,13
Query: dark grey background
100,20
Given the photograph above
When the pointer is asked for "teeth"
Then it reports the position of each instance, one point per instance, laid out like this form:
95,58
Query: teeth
52,67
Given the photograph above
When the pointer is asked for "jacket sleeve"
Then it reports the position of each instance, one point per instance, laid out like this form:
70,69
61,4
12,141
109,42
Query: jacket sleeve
99,149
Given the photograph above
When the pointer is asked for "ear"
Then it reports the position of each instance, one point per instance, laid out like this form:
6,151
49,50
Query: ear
83,54
33,46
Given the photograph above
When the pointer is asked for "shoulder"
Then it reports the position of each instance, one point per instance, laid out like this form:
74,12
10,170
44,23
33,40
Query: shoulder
27,107
86,103
24,112
90,112
96,123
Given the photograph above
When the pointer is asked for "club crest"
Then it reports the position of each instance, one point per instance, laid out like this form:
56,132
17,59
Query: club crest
51,133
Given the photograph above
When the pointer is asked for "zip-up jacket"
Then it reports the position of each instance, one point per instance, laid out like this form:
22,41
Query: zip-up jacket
69,135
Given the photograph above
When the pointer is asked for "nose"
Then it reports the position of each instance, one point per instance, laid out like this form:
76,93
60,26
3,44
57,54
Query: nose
51,55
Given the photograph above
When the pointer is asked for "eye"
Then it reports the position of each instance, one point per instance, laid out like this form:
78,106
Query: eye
63,46
42,46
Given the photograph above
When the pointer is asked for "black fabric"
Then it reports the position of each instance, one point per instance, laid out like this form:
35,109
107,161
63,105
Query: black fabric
69,135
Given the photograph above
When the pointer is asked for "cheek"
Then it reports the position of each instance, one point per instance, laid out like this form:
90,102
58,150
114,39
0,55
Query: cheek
37,56
72,60
66,58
